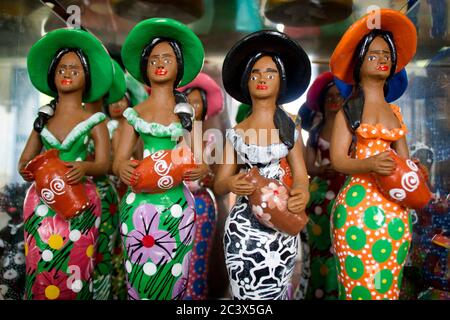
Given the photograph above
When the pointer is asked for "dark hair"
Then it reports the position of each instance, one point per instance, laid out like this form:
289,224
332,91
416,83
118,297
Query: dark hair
314,134
185,118
178,55
203,97
42,118
353,106
281,119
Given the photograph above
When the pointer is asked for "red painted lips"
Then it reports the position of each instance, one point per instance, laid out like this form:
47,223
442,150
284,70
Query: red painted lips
382,68
66,82
261,87
161,72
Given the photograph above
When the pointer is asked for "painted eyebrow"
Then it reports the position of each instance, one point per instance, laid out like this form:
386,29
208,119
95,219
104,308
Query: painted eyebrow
71,66
164,55
379,51
267,70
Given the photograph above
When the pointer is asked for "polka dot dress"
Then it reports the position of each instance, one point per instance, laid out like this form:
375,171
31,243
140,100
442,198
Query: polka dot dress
371,234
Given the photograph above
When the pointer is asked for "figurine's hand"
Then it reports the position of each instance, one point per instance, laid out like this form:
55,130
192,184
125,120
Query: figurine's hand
240,186
26,175
328,171
197,173
76,173
297,200
382,164
126,172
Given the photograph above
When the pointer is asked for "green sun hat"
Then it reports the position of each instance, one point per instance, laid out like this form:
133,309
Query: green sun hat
145,31
118,85
44,50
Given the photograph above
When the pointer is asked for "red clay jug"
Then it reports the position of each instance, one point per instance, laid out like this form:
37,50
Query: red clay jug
407,185
66,200
287,173
269,204
162,170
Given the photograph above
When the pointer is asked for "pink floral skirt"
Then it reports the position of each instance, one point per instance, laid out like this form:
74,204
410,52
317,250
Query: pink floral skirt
60,253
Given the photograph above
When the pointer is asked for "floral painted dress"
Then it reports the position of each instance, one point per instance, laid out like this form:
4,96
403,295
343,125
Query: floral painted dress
157,229
108,230
371,234
259,260
60,253
323,191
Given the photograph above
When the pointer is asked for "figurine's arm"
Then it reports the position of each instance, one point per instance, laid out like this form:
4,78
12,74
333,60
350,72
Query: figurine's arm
32,148
102,162
202,169
299,194
401,147
226,180
310,161
341,140
123,167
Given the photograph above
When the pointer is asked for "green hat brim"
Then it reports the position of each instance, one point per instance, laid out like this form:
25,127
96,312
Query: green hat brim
145,31
118,85
243,112
135,89
44,50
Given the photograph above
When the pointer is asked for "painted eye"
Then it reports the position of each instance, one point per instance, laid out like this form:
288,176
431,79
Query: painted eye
254,78
387,58
153,62
61,71
167,61
271,77
75,73
371,58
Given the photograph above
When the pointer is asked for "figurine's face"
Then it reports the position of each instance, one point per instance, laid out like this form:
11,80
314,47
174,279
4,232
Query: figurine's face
264,80
333,100
117,108
69,74
377,62
195,99
162,64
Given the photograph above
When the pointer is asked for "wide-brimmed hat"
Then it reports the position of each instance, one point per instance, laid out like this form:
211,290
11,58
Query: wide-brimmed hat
145,31
293,57
214,95
397,86
118,85
403,31
316,90
44,50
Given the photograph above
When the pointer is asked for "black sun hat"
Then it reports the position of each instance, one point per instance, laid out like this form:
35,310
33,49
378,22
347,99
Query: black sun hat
295,60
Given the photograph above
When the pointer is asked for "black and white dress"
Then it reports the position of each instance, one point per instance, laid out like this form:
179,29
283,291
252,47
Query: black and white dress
259,260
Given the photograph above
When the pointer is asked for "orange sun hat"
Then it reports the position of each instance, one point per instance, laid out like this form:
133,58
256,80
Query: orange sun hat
402,29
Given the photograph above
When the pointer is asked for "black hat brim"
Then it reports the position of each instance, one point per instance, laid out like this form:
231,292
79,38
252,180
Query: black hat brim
295,60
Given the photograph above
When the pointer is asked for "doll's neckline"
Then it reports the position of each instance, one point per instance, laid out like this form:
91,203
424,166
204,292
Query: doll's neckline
254,144
169,126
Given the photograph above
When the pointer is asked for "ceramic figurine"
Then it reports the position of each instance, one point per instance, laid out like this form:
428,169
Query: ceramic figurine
265,69
109,197
72,66
205,95
158,228
371,234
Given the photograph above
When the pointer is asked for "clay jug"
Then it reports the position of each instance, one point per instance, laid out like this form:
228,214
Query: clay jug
269,204
66,200
162,170
407,185
287,173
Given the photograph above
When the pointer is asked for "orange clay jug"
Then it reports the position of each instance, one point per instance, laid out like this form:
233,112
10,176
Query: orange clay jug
407,185
67,200
162,170
269,204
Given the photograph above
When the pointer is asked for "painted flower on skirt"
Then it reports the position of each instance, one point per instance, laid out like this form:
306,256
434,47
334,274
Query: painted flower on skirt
132,293
319,232
179,289
147,240
54,231
32,254
83,255
52,285
323,276
263,218
275,196
317,191
200,206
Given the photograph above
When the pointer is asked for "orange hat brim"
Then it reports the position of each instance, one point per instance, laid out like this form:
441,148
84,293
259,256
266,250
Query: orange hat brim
402,29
